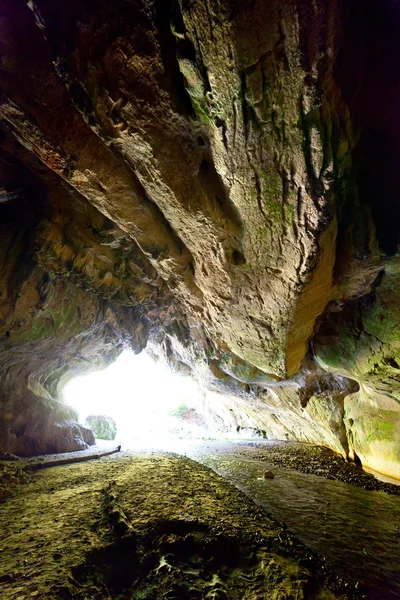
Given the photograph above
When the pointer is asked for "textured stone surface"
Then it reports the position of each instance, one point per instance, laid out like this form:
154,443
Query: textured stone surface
220,177
103,427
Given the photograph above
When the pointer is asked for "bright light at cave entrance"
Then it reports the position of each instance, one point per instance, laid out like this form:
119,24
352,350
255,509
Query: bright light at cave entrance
145,399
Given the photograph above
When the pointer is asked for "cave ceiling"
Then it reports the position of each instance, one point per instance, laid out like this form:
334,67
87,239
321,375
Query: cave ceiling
216,179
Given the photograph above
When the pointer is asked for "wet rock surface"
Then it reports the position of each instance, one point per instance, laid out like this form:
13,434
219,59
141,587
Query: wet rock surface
323,462
355,529
150,525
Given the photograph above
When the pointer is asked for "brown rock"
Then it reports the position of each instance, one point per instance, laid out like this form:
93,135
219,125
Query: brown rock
221,182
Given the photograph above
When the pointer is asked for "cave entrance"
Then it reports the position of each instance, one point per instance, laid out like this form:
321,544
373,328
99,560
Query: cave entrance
147,400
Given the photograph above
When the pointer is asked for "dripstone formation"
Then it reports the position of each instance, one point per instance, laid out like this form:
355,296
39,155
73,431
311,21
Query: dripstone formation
219,181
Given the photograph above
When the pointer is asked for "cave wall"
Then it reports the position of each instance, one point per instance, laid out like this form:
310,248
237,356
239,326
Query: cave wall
219,178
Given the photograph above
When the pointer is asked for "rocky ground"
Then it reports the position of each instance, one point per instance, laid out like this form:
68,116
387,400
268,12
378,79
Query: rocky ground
148,526
11,474
307,458
321,461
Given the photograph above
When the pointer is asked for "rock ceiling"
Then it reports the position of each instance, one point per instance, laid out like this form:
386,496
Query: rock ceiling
219,178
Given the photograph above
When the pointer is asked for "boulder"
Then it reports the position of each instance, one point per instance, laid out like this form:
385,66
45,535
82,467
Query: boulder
104,428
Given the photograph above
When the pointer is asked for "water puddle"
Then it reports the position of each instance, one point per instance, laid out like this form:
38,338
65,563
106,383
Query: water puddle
357,531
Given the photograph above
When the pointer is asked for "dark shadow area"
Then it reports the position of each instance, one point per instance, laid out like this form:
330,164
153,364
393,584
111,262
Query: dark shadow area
368,70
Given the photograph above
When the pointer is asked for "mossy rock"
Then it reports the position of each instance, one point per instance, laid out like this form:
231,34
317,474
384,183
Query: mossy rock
104,428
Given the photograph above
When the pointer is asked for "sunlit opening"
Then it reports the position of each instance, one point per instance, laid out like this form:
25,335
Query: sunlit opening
145,398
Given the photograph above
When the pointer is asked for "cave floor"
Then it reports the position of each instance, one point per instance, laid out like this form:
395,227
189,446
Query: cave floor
147,525
333,507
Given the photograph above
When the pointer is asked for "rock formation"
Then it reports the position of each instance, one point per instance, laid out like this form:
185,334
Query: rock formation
104,428
217,180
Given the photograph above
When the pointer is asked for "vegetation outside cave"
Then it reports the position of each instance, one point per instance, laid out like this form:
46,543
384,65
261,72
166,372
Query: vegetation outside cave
147,401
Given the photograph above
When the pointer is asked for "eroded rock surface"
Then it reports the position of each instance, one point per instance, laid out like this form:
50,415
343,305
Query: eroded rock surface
104,427
218,181
151,525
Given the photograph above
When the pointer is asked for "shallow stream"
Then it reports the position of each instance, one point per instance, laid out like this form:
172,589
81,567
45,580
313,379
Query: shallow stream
357,531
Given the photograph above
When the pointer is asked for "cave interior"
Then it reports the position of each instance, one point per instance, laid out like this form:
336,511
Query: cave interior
213,185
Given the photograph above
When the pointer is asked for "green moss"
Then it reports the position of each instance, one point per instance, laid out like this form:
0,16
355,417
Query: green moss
275,212
381,430
272,196
382,322
272,182
290,213
180,411
104,428
41,328
341,352
199,108
48,323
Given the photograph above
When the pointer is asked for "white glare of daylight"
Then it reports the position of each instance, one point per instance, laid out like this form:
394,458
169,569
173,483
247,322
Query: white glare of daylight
144,397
